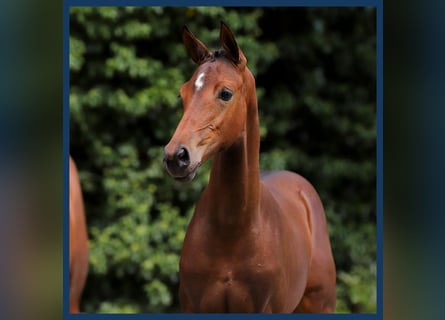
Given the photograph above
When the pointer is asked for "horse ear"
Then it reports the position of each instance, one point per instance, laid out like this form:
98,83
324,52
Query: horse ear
229,44
197,50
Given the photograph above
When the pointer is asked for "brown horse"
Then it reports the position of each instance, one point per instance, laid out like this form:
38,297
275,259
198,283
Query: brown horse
256,243
78,241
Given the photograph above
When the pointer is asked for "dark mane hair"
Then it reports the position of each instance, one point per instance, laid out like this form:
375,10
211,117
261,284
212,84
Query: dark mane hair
217,54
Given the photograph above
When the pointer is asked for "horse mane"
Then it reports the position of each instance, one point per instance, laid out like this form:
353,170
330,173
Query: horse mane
217,54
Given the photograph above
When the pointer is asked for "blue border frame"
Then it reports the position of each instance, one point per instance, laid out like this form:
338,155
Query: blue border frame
378,4
227,3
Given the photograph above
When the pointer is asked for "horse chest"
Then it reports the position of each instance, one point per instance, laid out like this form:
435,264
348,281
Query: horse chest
221,290
232,282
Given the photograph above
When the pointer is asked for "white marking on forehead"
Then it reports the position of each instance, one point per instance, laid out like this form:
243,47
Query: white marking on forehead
200,81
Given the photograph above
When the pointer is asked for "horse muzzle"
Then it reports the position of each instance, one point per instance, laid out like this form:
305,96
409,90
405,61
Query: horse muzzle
179,165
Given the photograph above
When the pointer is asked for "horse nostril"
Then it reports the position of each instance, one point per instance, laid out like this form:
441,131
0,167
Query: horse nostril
177,163
182,157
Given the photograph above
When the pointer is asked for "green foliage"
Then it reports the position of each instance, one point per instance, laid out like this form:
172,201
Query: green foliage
315,72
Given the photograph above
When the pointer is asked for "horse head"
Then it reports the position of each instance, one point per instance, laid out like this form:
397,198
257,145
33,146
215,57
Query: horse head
215,101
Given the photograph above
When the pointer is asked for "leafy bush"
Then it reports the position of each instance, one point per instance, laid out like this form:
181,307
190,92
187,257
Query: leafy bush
315,71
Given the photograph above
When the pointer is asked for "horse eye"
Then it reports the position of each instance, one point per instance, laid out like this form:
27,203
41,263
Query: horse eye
225,94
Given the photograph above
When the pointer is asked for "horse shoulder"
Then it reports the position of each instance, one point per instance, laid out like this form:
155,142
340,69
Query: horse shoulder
296,192
297,197
288,203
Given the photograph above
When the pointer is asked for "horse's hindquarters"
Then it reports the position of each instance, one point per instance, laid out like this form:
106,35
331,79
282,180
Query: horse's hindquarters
78,245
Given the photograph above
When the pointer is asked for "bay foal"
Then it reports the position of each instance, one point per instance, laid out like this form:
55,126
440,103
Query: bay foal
256,243
78,240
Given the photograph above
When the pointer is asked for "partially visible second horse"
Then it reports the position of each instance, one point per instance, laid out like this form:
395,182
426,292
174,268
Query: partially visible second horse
256,243
78,240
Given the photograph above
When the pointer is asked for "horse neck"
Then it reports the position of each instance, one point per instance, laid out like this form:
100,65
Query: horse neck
235,176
